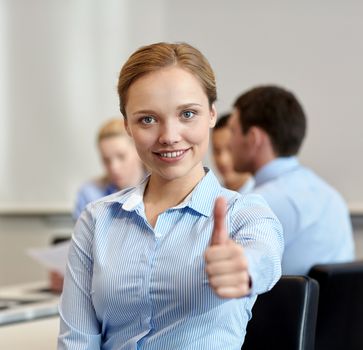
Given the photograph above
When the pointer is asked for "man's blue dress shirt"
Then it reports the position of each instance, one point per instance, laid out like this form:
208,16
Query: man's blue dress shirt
131,286
315,218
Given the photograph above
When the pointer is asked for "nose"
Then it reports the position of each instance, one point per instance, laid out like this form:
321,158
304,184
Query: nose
169,134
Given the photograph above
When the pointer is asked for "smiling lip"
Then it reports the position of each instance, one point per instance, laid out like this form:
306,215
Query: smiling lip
171,156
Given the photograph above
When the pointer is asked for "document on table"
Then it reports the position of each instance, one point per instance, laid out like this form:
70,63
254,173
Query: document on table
53,257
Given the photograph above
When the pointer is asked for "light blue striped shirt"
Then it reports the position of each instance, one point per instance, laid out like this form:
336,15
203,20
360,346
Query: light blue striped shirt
315,218
131,286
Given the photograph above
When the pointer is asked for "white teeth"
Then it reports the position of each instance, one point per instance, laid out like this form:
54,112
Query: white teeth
171,154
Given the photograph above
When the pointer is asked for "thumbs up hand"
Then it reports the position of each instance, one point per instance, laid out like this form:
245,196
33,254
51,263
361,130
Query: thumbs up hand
226,264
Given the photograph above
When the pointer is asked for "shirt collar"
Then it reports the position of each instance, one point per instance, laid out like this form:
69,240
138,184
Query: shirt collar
204,194
201,199
275,168
133,198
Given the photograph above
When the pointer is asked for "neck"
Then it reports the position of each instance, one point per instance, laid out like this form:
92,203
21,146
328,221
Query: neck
264,157
171,192
162,194
265,154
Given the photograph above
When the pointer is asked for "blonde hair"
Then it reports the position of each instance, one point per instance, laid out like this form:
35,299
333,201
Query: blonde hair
113,127
153,57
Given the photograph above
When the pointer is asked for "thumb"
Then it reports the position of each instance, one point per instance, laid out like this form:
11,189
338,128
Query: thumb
219,234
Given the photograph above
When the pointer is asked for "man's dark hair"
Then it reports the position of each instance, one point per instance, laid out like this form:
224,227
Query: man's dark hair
278,113
222,121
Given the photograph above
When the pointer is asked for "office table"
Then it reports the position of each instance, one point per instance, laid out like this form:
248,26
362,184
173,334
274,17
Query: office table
26,302
40,334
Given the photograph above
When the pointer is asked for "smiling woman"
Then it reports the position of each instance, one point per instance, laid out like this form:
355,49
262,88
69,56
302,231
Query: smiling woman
176,262
170,126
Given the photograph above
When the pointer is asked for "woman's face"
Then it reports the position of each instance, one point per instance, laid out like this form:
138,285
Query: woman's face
120,159
169,117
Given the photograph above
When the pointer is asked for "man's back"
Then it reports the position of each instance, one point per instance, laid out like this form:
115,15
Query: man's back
315,218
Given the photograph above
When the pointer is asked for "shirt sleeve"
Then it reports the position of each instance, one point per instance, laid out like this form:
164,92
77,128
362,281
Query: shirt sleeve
258,230
79,327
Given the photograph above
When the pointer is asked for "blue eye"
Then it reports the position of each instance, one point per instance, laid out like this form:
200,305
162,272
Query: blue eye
148,119
188,114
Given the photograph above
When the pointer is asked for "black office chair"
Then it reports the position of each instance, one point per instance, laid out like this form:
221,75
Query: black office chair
285,317
60,239
340,312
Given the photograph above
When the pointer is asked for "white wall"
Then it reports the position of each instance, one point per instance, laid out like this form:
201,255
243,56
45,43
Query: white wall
60,61
60,69
314,48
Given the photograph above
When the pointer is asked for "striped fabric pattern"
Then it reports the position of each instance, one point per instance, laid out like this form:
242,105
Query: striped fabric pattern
131,286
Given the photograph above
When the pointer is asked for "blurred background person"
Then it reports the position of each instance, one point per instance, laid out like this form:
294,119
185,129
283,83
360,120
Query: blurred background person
268,126
123,168
241,182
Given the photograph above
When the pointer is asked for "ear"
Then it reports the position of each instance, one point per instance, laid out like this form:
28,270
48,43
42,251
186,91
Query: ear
255,136
213,116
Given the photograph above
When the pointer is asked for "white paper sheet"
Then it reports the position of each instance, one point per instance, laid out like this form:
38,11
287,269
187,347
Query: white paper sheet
53,257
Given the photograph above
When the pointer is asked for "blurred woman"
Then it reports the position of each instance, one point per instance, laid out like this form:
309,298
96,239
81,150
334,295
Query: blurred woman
123,168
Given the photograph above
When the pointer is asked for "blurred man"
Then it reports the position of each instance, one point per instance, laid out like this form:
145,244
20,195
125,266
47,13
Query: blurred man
268,126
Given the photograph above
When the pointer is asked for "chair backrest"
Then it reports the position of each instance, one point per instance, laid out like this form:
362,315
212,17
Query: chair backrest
285,317
340,311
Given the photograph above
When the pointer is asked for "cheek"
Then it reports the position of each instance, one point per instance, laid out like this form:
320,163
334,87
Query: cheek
118,166
217,158
108,168
237,144
197,135
141,143
141,151
235,148
144,138
228,159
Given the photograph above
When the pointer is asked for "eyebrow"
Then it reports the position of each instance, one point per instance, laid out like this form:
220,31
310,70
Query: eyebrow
181,107
144,111
188,105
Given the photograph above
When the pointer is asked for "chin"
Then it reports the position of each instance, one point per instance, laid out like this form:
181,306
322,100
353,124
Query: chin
171,174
